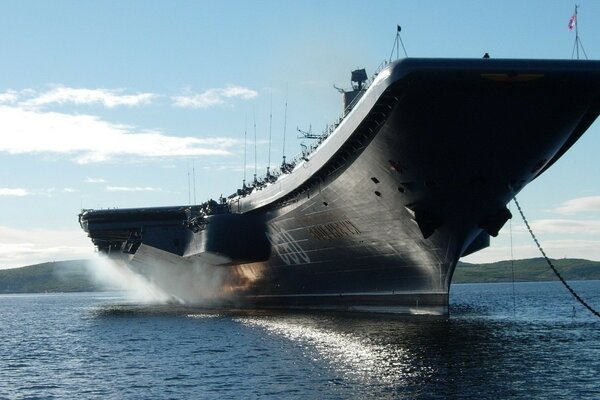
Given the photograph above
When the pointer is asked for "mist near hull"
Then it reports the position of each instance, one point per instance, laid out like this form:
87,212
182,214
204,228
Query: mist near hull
115,274
156,277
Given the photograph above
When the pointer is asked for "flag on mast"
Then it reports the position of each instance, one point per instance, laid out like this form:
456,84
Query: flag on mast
572,22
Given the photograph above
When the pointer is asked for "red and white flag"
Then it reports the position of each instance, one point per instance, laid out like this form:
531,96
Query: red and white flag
572,22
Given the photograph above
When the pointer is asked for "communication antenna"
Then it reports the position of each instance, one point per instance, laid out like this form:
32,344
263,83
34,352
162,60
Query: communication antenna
194,176
284,125
254,147
397,44
189,184
270,130
574,23
245,140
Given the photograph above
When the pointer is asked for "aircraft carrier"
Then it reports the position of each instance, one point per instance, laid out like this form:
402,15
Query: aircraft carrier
415,174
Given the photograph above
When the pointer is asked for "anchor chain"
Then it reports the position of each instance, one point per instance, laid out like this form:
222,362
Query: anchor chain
577,297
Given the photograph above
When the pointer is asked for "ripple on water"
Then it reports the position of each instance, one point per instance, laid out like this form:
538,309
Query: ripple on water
86,345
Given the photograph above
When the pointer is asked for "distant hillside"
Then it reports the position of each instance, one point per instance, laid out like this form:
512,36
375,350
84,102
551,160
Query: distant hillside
60,276
531,270
73,276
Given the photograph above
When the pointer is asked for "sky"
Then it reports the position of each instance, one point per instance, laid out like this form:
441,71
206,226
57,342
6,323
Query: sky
112,103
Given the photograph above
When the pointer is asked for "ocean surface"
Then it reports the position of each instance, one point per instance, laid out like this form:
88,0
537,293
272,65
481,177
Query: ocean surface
537,344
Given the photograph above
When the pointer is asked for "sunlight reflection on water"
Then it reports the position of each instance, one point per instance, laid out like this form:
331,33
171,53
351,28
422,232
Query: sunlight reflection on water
351,354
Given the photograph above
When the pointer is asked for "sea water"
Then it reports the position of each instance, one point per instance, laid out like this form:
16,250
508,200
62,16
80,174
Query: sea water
537,343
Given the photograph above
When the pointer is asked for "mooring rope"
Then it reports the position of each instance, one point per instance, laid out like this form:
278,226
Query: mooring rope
512,266
577,297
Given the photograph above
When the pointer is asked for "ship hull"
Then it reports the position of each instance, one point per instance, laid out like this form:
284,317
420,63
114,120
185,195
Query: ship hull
378,221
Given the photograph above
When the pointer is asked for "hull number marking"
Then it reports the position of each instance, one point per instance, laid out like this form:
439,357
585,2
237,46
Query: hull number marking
333,230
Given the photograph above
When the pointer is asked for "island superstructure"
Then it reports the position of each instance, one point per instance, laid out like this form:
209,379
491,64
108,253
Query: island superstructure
415,174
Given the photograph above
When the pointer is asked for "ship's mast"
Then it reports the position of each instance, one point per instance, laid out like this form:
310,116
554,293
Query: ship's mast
575,23
284,127
254,181
397,44
245,140
270,130
194,178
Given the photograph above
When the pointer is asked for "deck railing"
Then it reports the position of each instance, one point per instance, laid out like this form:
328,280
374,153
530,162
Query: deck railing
291,163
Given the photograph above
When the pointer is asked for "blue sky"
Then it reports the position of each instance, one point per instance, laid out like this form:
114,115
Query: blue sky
108,104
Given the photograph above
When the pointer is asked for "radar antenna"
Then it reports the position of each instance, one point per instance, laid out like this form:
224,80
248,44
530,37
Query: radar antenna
358,78
307,134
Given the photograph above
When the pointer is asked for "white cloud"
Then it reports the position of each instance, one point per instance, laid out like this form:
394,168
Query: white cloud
579,205
566,226
18,192
19,247
213,97
88,139
238,91
80,96
95,180
10,96
132,189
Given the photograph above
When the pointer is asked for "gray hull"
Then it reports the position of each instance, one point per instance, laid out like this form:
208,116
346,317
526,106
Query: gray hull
415,176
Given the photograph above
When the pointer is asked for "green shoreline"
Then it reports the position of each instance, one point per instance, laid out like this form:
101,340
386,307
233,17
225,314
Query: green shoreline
74,276
527,270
